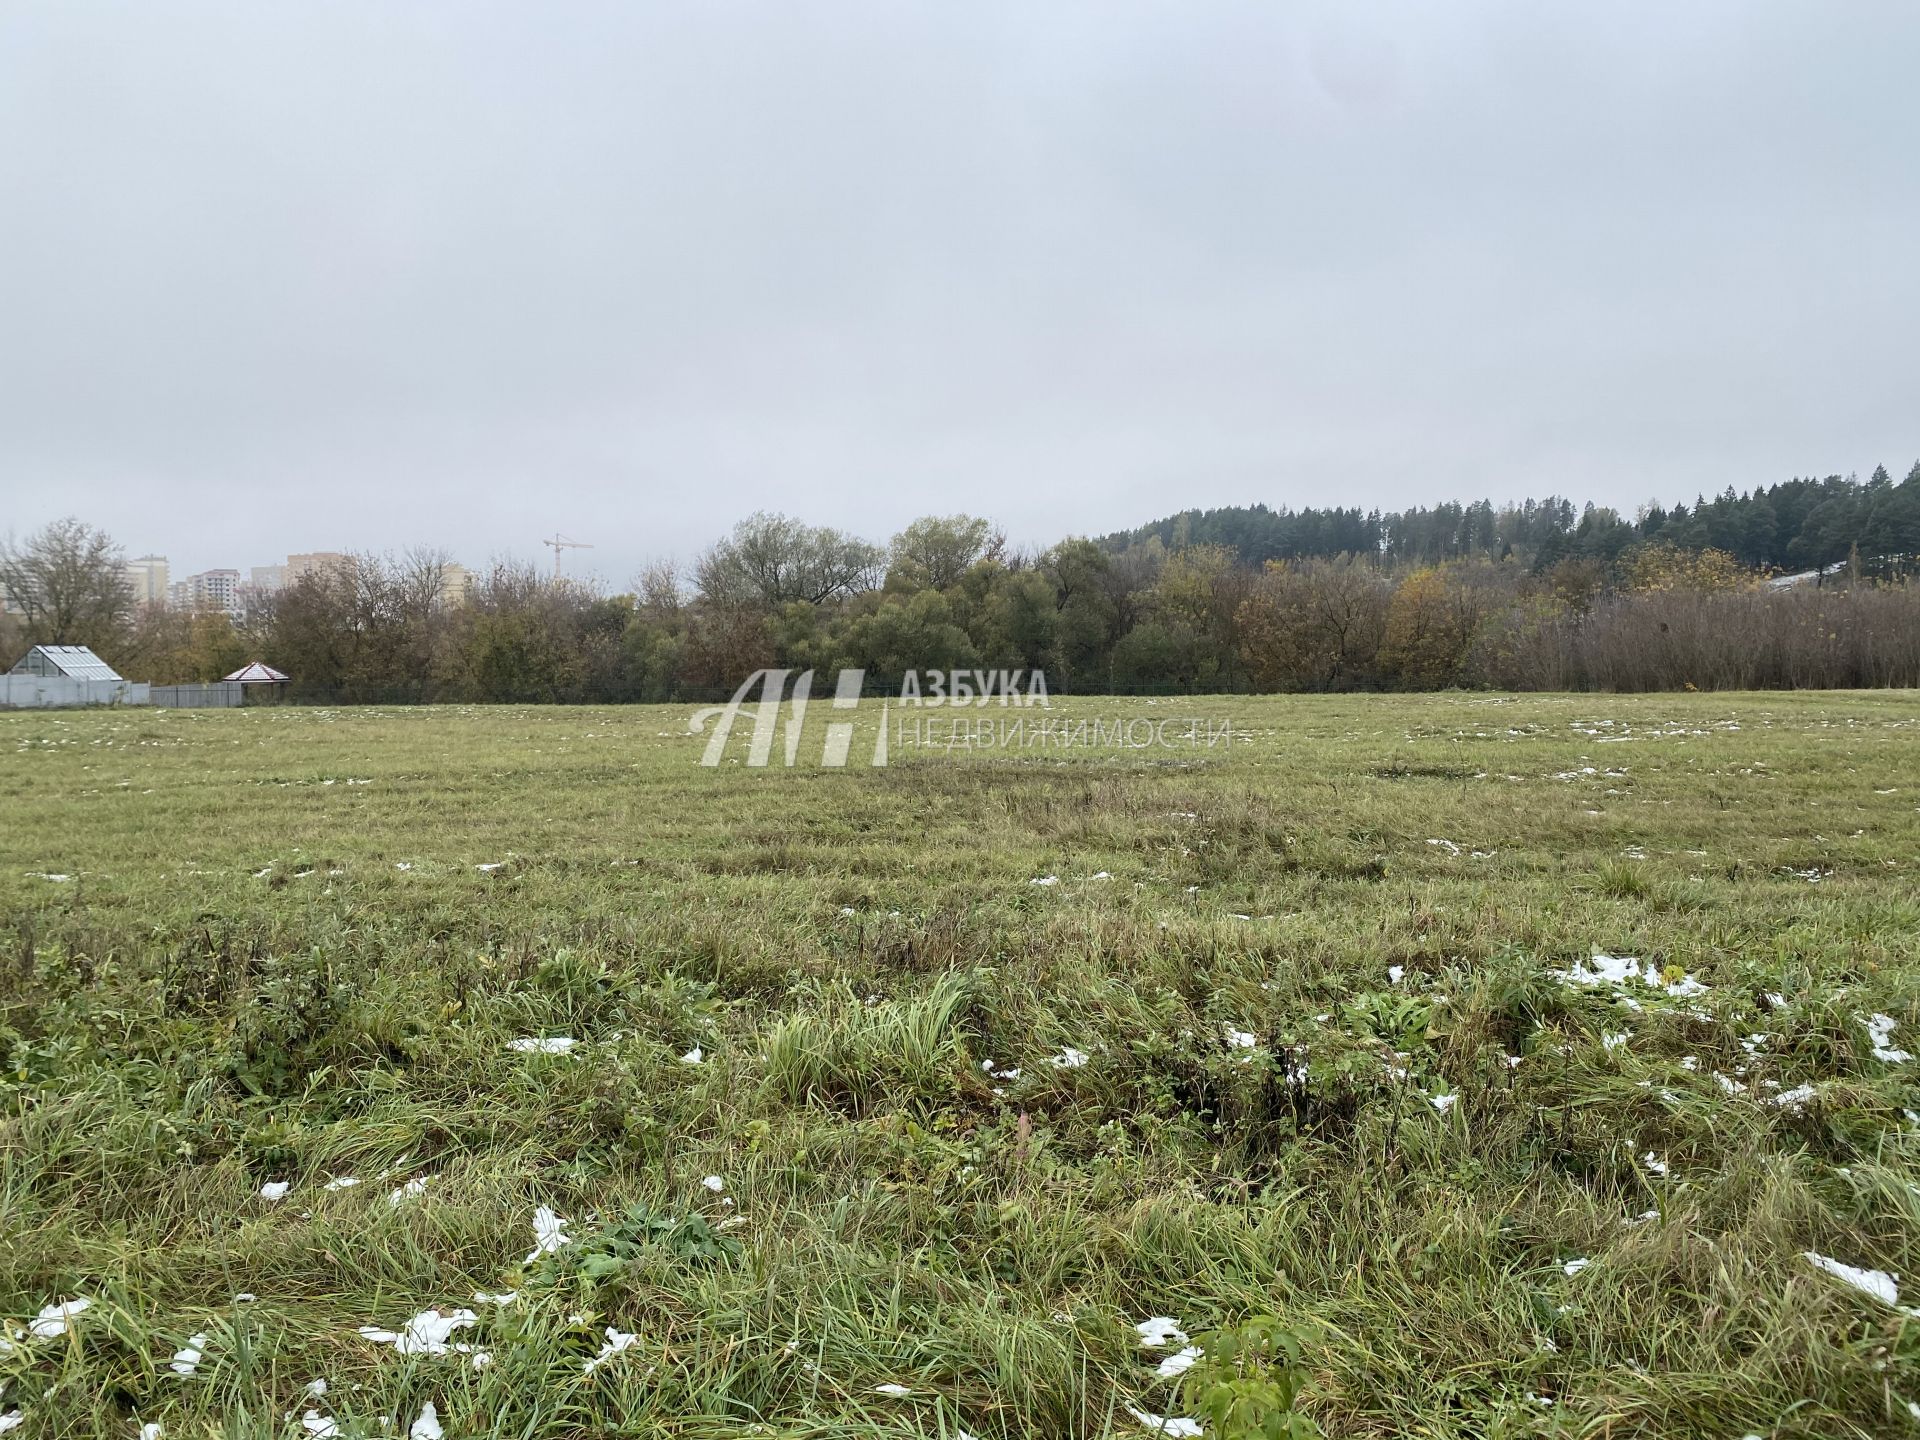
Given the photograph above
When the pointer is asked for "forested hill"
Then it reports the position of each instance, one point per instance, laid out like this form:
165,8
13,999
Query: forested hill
1795,525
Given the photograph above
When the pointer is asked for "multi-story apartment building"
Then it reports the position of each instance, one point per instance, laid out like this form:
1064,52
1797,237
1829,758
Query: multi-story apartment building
209,590
456,585
148,578
315,562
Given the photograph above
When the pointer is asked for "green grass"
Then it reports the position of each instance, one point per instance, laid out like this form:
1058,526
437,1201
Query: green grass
239,983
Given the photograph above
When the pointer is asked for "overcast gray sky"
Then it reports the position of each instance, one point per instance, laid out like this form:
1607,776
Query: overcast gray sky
362,275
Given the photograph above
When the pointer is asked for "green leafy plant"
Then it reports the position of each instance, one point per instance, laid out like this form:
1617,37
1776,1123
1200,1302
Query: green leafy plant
607,1252
1401,1021
1248,1381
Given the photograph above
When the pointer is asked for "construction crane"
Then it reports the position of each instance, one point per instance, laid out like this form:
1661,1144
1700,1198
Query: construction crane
560,542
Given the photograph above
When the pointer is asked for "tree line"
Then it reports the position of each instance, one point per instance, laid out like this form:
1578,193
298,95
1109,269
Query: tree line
1797,525
1530,596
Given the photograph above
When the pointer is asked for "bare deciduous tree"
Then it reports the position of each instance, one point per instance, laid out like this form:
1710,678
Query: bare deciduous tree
69,584
658,588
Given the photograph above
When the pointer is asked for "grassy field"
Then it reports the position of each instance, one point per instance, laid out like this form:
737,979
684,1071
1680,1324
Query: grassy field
1305,1026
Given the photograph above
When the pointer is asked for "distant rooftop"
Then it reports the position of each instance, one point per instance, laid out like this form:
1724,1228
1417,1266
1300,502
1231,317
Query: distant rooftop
76,662
257,674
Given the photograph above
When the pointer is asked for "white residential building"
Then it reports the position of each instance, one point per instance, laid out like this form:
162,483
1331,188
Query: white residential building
317,562
209,590
456,585
148,577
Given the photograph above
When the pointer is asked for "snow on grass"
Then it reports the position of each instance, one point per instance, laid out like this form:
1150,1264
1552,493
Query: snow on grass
1618,970
52,1322
617,1340
187,1358
1176,1425
1878,1283
413,1189
1178,1363
1160,1332
549,1233
1880,1033
543,1044
428,1333
1796,1099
